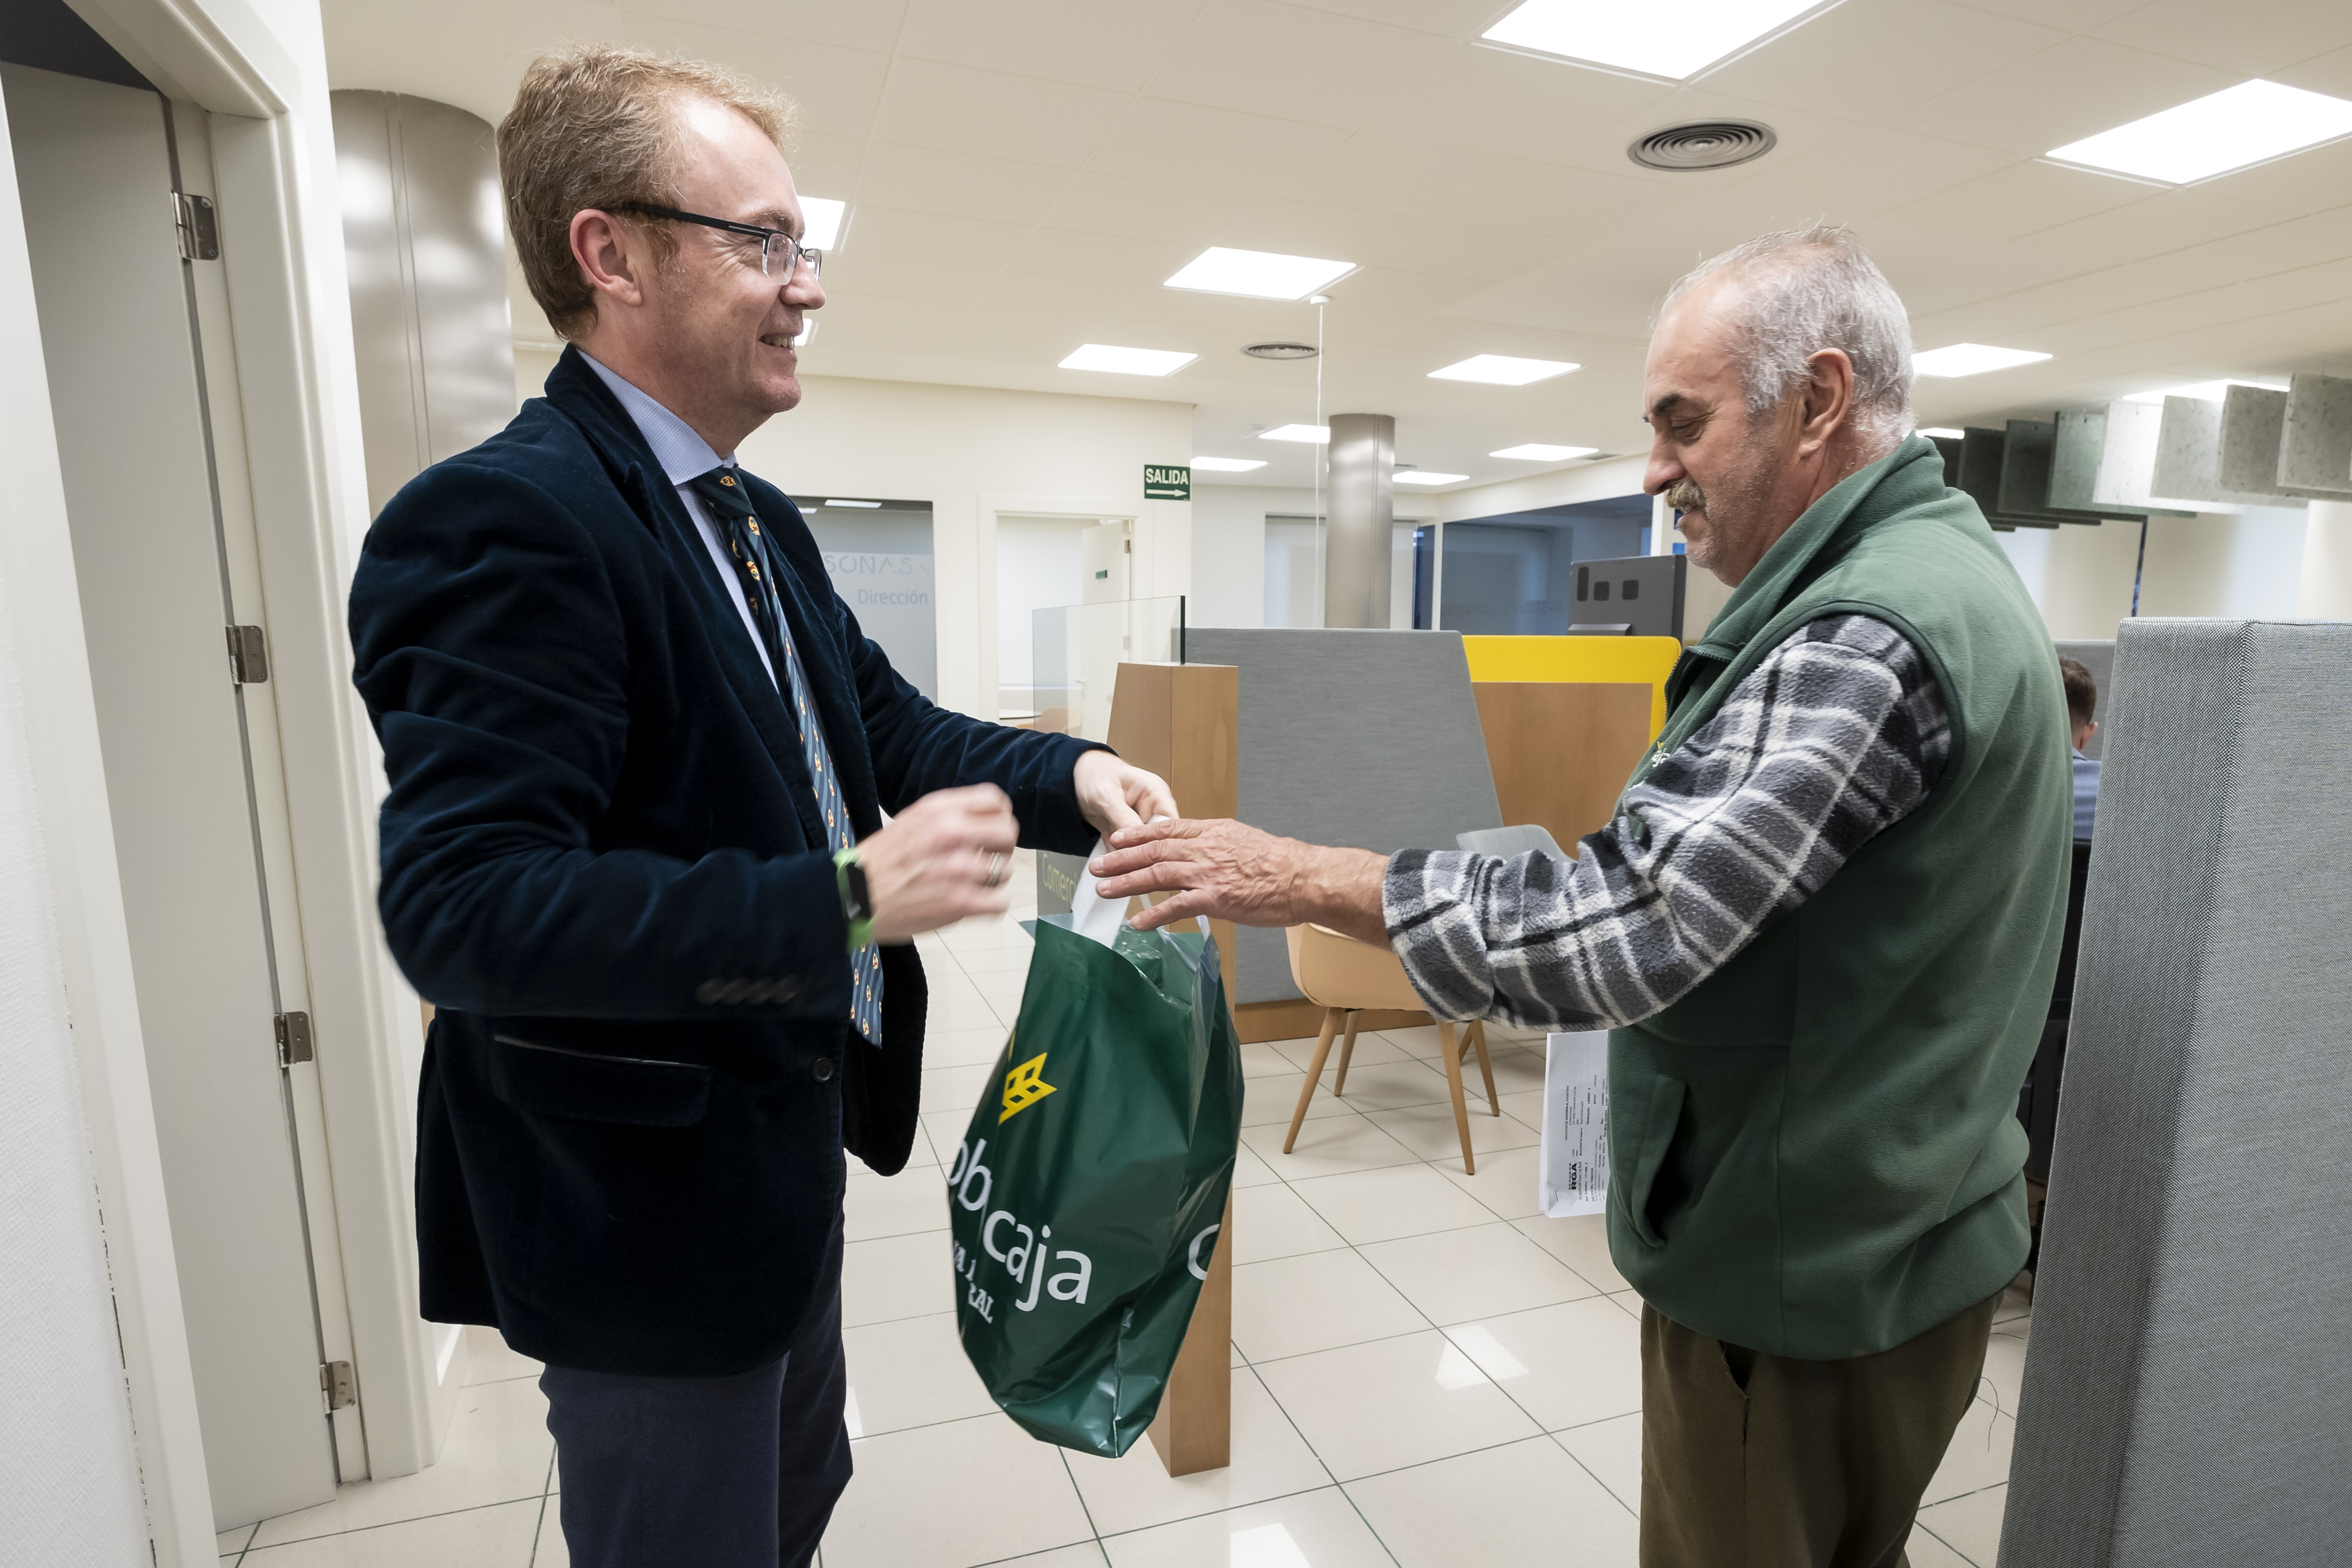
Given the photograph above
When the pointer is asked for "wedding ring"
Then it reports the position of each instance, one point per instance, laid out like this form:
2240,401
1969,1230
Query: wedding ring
994,876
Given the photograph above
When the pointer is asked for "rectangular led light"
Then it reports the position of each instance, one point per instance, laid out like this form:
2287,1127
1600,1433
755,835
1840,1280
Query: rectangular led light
859,503
823,217
1128,361
1318,434
1948,435
1502,370
1670,41
1228,465
1259,274
1538,452
1424,476
1971,359
2252,122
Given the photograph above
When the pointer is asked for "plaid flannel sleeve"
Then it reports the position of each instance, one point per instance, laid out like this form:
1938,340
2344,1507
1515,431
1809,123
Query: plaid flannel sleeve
1837,734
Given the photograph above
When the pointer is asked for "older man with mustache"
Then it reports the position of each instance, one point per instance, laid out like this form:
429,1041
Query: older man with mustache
1821,927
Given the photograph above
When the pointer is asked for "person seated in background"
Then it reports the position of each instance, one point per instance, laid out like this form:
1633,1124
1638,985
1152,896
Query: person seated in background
2081,702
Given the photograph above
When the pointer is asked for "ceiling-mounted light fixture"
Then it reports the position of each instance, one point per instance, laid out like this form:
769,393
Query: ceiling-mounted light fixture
1424,476
1538,452
1127,362
1503,370
1228,465
1318,434
1257,274
1670,41
822,219
1971,359
2252,122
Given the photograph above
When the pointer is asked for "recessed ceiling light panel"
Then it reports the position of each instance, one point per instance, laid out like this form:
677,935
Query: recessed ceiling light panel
823,217
1670,41
867,505
1318,434
2252,122
1258,274
1538,452
1971,359
1502,370
1424,476
1228,465
1947,435
1128,361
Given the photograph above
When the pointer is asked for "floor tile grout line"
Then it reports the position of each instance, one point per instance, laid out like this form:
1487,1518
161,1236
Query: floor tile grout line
1093,1530
392,1524
539,1530
1573,1460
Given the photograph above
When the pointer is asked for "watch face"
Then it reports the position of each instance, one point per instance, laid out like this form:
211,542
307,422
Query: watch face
860,906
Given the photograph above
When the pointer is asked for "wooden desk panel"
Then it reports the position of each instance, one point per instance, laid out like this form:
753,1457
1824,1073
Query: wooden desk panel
1561,751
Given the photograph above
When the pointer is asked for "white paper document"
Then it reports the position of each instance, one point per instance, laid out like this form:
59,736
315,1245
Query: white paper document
1574,1172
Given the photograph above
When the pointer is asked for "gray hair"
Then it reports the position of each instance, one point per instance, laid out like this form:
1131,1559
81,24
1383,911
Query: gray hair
1807,289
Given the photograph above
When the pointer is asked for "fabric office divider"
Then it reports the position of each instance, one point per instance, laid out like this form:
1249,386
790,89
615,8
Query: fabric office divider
2099,658
2185,1399
1365,738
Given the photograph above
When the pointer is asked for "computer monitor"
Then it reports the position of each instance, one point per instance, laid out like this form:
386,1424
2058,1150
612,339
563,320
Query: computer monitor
1633,595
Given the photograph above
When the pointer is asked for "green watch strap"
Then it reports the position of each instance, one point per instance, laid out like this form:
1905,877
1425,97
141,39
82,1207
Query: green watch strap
861,920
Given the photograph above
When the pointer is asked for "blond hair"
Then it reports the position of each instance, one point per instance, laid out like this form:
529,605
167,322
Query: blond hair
594,126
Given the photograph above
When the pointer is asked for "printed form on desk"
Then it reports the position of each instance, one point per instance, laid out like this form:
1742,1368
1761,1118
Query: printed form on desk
1574,1171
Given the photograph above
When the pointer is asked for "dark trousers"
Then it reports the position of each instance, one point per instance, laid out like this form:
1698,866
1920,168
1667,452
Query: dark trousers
716,1472
1760,1461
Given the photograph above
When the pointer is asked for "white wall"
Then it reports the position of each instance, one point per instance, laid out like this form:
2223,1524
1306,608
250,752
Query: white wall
1243,566
2245,565
973,453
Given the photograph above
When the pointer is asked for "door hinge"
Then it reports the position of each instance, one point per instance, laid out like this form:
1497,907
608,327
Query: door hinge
199,227
293,1038
336,1383
248,656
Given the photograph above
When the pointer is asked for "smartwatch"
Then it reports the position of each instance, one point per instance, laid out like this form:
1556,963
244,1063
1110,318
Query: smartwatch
856,907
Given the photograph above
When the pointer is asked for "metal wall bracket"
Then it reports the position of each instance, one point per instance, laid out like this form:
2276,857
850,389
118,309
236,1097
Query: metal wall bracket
335,1381
293,1038
198,224
248,656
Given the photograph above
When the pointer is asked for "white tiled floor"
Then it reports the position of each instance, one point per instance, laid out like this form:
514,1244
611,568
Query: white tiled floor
1427,1373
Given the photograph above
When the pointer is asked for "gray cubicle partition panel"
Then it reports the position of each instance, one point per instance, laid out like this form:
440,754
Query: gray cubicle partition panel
2316,443
2127,459
2186,1394
1367,738
2099,658
2189,459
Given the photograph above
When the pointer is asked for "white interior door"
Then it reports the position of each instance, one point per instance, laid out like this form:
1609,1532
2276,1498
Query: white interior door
94,166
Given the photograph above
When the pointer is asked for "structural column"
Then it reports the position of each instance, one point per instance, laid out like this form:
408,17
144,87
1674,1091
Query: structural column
1362,520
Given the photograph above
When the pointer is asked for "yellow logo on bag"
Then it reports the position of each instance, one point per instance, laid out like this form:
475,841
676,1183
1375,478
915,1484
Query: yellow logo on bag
1024,1088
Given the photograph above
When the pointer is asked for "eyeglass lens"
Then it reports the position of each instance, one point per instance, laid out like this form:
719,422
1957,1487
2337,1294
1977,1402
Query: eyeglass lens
795,253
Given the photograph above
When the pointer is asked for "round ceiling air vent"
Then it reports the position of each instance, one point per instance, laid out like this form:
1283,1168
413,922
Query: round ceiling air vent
1280,350
1703,144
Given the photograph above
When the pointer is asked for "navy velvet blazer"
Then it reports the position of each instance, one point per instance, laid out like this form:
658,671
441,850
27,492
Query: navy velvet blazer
603,863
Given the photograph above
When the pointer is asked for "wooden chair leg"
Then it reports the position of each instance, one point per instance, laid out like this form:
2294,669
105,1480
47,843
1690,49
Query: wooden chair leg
1314,1074
1346,1049
1477,1033
1453,1084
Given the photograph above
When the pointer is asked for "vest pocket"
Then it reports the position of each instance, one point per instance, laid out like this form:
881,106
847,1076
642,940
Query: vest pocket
581,1086
1640,1138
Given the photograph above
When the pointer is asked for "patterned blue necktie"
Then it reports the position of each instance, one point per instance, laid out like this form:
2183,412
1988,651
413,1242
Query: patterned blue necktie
747,545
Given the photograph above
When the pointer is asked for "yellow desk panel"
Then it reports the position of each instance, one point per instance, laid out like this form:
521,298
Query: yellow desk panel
1643,660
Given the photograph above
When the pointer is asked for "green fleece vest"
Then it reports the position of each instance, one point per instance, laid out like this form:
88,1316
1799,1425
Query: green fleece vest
1815,1152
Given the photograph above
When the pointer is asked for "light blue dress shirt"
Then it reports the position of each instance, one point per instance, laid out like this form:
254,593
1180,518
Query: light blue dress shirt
2086,793
685,455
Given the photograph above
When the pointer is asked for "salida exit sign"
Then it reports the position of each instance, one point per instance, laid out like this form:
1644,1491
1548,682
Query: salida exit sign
1167,482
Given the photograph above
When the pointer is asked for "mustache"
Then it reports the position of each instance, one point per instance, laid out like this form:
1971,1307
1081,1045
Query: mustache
1684,496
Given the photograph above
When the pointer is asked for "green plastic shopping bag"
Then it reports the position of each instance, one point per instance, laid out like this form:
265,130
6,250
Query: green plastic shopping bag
1086,1198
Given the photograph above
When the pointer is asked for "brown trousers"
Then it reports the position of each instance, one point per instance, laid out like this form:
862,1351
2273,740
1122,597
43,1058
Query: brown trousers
1760,1461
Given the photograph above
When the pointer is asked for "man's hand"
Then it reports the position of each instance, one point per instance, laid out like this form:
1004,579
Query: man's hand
930,866
1115,794
1229,871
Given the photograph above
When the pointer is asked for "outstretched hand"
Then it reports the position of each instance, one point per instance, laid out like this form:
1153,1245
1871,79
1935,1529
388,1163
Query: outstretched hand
1113,794
1230,871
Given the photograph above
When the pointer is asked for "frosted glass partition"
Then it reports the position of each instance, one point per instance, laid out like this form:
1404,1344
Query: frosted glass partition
1078,649
877,556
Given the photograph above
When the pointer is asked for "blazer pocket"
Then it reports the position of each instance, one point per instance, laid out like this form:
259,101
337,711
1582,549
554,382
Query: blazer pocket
581,1086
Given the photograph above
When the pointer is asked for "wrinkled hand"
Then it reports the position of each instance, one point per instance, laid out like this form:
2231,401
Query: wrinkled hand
1227,870
1115,794
928,868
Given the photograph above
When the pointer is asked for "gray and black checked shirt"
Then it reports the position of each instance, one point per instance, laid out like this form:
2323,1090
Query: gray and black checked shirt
1832,738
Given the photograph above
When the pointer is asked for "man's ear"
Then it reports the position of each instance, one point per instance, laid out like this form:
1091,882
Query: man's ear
611,255
1829,398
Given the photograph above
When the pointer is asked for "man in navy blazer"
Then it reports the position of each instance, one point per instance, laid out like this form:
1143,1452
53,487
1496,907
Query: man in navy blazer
617,706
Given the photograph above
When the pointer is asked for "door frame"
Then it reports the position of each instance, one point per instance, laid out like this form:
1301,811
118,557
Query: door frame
278,357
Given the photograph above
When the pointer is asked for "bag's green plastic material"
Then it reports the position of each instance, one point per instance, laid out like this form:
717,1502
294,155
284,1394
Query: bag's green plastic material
1086,1198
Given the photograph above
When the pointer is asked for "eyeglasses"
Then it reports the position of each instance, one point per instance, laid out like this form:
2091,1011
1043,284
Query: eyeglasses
772,240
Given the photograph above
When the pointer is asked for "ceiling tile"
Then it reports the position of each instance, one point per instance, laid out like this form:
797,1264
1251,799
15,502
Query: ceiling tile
1493,100
1464,19
2061,95
838,88
1190,145
1862,60
1153,209
1316,65
2254,40
1876,170
1113,44
2311,181
2330,72
929,179
851,24
1410,178
931,104
2066,15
